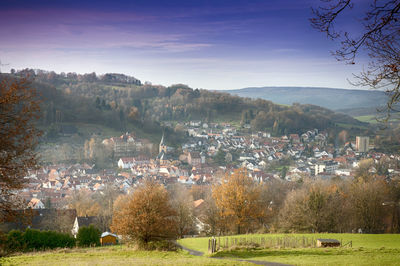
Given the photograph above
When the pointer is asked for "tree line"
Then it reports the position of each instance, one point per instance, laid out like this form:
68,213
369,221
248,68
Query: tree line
121,104
238,204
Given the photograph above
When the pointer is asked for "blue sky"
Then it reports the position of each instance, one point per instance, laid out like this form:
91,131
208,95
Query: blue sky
204,44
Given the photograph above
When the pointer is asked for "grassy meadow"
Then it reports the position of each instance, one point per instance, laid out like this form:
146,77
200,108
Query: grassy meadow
116,255
379,249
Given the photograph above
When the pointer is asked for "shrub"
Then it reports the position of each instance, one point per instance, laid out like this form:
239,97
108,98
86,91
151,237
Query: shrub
161,245
3,242
37,240
15,241
88,236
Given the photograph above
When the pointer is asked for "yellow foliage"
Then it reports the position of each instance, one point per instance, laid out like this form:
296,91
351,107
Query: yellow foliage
146,216
238,199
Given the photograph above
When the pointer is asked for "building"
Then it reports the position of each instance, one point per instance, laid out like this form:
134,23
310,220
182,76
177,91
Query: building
328,167
126,162
162,147
327,243
108,238
60,220
362,144
194,158
83,221
35,204
124,146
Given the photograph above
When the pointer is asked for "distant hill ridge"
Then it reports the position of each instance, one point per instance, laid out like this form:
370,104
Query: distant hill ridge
114,102
332,98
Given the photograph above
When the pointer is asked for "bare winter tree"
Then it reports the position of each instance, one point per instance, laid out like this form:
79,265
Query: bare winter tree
380,39
19,111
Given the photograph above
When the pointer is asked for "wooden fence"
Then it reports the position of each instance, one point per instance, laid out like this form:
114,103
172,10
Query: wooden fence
223,243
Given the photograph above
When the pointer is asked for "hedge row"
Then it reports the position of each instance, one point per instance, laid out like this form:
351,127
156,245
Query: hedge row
88,236
32,239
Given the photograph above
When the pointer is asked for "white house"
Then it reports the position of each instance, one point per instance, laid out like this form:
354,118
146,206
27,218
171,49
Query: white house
126,162
82,221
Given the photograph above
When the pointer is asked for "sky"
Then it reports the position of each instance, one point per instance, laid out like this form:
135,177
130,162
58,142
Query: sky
213,44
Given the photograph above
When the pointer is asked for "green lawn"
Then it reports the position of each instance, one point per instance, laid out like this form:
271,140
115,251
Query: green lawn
367,250
379,249
119,255
321,256
367,118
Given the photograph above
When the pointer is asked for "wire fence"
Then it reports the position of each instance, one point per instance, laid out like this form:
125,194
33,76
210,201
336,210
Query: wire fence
226,243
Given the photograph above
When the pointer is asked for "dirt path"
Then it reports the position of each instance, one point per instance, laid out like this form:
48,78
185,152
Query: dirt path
258,262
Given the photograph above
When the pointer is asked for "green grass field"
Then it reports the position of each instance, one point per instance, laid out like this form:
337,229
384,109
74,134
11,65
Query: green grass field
372,119
367,118
118,255
367,250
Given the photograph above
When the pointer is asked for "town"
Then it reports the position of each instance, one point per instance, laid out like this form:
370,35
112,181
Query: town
212,150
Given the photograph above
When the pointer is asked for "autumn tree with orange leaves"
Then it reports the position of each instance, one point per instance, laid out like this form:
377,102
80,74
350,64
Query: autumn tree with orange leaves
146,216
19,110
238,199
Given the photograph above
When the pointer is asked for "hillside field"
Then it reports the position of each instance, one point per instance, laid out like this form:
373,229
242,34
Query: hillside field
378,249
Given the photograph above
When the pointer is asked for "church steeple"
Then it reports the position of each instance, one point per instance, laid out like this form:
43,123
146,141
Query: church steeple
162,146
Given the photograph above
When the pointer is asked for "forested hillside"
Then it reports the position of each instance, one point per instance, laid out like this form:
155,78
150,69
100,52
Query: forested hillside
122,102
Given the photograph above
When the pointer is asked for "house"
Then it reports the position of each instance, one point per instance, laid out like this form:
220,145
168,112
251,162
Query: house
328,167
108,238
35,204
126,162
194,158
82,221
60,220
294,138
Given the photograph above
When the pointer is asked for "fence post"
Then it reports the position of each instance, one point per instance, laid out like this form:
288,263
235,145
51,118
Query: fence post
214,244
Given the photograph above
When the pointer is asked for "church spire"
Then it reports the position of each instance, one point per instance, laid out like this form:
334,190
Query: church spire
162,146
162,140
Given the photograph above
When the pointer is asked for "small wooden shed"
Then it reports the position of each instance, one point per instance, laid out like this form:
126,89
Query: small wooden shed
327,243
108,238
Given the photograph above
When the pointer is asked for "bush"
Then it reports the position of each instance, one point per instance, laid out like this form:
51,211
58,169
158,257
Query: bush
15,241
3,242
161,245
37,240
88,236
